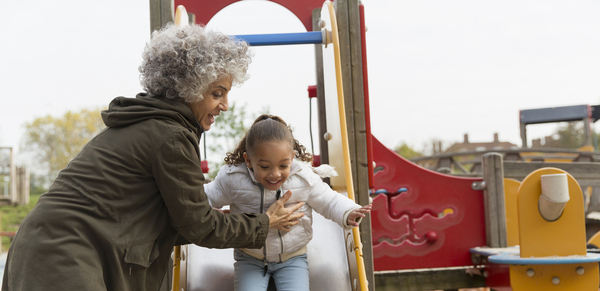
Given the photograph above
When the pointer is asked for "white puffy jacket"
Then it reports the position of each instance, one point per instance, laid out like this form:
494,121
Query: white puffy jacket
237,187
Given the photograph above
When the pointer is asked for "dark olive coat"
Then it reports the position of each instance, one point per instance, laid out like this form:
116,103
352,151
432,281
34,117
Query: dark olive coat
112,217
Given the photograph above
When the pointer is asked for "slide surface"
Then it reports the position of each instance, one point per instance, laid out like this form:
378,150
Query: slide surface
212,269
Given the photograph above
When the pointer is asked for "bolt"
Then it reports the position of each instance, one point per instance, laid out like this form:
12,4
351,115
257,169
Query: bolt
530,272
555,280
580,270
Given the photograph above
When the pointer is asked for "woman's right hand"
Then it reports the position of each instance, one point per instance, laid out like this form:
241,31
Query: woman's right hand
283,218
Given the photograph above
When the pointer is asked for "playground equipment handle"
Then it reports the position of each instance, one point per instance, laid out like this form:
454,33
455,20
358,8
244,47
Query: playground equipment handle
312,37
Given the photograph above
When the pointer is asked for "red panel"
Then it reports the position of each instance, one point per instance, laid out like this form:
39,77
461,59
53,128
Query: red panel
204,10
431,224
498,277
204,166
312,91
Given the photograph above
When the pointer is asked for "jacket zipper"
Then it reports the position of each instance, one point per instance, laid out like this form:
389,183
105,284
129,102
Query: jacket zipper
262,206
279,231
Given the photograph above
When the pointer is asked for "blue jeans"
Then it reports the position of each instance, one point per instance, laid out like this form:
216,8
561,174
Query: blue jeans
291,275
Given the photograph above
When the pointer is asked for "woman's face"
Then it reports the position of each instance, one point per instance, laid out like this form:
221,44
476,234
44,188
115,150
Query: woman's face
215,101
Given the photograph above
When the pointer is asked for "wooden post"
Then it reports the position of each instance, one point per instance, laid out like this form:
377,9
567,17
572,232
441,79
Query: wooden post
523,135
13,179
22,185
493,200
348,16
161,13
587,131
323,148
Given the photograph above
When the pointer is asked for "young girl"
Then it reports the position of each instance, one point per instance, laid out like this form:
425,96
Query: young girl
256,174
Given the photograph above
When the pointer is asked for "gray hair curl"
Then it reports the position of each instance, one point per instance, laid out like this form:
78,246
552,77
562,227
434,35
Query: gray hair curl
182,62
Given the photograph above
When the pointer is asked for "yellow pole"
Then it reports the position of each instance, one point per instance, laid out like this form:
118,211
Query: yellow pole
345,148
181,19
176,267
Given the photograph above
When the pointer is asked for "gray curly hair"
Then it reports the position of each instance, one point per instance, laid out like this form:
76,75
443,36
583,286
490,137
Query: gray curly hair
182,62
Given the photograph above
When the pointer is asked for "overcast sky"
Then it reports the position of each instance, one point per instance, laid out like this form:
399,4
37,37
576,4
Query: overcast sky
437,69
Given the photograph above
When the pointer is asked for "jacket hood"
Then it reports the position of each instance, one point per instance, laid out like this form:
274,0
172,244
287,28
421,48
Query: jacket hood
123,111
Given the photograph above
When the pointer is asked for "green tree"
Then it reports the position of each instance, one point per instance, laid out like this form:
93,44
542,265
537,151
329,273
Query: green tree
407,151
54,141
224,135
570,135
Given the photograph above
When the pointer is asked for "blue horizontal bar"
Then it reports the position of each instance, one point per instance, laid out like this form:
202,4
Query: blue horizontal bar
312,37
554,114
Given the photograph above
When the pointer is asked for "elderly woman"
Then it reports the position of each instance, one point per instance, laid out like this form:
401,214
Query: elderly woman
111,218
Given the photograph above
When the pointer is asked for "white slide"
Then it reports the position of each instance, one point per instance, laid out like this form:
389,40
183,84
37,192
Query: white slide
212,269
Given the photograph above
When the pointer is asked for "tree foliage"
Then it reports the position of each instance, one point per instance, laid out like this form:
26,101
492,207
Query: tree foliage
54,141
225,134
407,151
571,135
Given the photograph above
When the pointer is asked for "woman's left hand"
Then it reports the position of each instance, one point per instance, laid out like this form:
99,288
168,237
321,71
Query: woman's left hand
358,212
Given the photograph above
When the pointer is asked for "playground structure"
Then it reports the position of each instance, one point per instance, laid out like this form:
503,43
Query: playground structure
427,230
14,183
14,180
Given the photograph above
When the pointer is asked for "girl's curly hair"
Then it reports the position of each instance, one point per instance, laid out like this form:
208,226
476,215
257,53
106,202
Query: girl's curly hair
264,129
182,62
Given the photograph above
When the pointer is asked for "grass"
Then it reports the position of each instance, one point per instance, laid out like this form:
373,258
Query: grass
11,216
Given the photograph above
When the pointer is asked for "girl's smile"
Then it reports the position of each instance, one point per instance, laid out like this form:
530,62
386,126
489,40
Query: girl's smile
271,163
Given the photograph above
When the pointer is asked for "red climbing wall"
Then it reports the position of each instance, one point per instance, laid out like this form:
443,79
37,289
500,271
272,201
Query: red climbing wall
423,219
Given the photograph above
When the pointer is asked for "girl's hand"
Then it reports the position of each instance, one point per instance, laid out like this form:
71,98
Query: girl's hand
358,213
283,218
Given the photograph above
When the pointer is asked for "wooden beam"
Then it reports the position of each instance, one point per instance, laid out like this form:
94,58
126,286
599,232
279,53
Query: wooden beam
493,200
161,13
322,112
523,135
428,279
519,170
348,16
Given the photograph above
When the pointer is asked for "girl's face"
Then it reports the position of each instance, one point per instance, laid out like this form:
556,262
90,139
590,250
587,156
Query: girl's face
215,101
271,163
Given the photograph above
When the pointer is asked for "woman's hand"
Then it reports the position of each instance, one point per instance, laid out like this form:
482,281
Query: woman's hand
283,218
358,213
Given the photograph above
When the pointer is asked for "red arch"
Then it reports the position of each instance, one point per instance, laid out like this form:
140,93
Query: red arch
204,10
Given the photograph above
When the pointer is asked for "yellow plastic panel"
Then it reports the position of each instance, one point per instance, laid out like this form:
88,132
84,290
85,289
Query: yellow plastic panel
511,189
542,279
540,238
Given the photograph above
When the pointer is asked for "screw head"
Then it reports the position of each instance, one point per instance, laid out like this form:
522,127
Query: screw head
580,270
530,272
322,23
555,280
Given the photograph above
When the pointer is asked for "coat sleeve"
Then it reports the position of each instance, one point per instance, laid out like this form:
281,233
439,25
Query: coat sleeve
217,193
176,169
329,203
